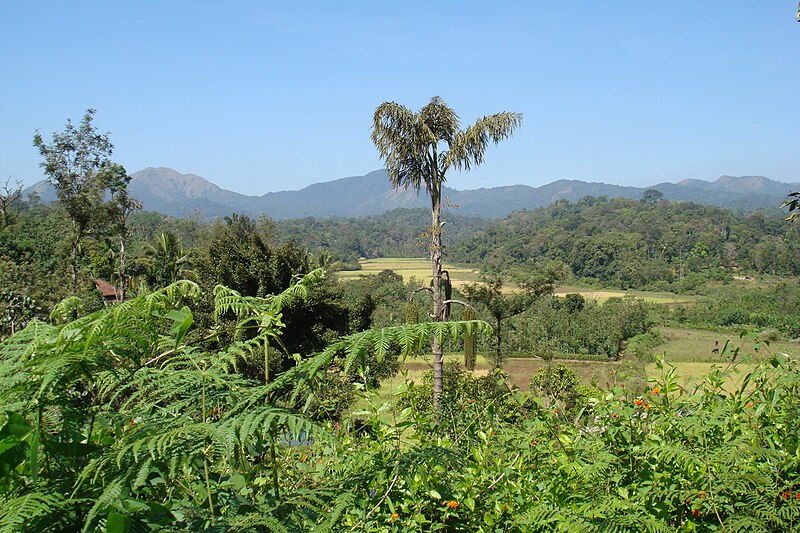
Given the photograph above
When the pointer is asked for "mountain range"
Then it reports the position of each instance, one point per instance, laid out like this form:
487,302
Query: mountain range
181,195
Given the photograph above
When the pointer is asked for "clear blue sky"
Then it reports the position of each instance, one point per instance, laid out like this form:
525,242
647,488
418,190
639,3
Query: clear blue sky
261,96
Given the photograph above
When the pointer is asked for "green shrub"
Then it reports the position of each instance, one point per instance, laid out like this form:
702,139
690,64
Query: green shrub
641,346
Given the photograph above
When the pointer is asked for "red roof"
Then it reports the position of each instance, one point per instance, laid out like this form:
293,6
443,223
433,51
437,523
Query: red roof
109,291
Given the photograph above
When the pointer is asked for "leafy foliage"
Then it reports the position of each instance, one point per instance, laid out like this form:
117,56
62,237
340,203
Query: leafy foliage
116,414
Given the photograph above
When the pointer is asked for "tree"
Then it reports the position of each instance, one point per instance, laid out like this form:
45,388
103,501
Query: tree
73,162
652,197
118,210
165,261
793,203
489,292
418,150
8,195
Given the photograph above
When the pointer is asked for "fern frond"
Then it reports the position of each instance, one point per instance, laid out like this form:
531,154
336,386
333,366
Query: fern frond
25,511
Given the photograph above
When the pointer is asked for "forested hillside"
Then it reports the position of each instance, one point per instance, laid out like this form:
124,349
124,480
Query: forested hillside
635,244
398,233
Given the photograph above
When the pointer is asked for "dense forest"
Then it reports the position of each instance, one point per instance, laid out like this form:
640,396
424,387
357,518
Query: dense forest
628,244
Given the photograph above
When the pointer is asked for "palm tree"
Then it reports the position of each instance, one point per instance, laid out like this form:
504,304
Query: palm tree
419,149
165,261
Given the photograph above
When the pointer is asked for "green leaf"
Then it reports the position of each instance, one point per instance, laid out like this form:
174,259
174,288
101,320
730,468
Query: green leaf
117,523
182,320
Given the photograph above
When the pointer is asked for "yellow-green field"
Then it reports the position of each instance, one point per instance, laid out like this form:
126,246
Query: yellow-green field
420,268
604,294
410,267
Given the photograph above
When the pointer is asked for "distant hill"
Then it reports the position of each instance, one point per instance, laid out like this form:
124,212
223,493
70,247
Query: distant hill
170,192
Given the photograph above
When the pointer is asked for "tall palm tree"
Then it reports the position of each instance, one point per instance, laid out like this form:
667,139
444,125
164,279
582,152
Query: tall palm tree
418,150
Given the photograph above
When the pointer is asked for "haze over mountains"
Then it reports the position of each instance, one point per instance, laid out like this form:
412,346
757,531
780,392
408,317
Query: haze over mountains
170,192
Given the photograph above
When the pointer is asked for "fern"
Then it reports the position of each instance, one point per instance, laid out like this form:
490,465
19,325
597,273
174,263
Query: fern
27,511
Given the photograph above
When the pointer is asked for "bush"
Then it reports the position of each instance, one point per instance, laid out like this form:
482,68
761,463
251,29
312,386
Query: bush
467,401
642,345
562,388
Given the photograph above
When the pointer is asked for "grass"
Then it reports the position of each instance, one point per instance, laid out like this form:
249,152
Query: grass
697,345
691,372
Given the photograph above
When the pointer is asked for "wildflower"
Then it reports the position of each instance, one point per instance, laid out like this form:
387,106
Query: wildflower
687,501
797,496
647,406
695,512
372,493
749,404
785,495
453,504
534,442
638,401
655,390
701,494
394,517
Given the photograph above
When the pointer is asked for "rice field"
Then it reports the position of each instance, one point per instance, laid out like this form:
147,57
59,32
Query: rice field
410,267
420,268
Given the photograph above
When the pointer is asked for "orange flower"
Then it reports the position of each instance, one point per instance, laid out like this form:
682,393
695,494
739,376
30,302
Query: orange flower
647,406
638,401
749,404
785,495
701,494
695,512
534,443
655,390
394,517
453,505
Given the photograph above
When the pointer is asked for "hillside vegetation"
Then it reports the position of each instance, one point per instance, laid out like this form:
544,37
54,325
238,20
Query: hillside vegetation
633,244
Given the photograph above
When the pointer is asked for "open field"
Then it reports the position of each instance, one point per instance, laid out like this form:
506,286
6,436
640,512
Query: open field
604,294
420,268
688,350
408,267
697,345
520,370
690,373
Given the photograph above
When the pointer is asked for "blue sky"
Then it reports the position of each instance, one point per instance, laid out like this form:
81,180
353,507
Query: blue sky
261,96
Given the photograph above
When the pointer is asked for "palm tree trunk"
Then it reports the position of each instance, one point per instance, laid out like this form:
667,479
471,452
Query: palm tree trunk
438,308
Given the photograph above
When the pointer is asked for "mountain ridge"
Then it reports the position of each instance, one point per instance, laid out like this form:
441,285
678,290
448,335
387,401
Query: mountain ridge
170,192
